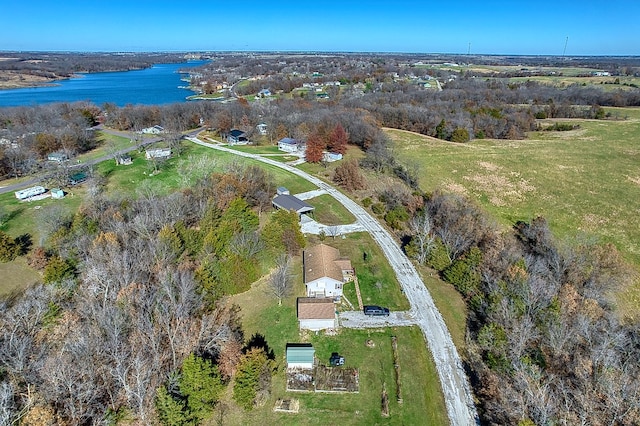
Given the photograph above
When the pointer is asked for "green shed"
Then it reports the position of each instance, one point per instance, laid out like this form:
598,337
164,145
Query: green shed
300,355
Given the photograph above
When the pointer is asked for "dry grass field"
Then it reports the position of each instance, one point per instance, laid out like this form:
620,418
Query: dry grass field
585,182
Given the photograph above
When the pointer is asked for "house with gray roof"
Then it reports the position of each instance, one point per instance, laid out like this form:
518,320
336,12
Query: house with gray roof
291,203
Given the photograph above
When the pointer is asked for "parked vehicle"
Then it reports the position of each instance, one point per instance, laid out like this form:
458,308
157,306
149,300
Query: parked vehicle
336,360
376,310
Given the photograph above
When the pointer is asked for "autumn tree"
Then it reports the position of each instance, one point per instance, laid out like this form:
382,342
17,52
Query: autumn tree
315,148
348,175
338,139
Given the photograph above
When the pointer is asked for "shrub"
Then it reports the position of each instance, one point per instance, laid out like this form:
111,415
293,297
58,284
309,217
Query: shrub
438,257
377,208
58,269
9,248
460,135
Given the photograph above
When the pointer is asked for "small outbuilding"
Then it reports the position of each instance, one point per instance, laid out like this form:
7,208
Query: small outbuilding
316,314
300,355
281,190
57,193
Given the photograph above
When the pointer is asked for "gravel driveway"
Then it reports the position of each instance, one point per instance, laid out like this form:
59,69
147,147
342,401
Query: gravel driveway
455,386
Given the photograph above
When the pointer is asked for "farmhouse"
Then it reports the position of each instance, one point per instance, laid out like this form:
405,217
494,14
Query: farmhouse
237,137
300,355
290,145
291,203
316,313
325,271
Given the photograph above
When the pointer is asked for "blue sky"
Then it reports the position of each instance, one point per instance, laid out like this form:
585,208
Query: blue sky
490,27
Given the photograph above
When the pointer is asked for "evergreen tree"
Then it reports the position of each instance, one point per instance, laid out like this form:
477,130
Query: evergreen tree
253,375
171,411
282,232
201,385
9,248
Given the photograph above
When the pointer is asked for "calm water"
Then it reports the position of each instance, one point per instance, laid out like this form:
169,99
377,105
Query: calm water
152,86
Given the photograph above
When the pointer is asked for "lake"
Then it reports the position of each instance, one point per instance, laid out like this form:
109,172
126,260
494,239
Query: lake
157,85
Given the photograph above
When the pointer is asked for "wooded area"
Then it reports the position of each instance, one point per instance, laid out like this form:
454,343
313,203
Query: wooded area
131,318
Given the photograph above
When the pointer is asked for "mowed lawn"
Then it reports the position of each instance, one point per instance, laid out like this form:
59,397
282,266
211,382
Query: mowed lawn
423,402
585,182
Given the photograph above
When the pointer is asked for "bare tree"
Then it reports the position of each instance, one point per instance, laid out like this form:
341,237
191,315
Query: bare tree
421,229
332,231
7,404
280,281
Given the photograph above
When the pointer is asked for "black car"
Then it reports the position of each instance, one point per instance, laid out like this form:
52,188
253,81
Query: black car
376,310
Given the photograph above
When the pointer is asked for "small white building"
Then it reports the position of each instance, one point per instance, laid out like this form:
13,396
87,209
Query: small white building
316,313
330,157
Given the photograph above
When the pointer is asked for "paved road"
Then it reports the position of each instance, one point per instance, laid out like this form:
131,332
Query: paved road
455,386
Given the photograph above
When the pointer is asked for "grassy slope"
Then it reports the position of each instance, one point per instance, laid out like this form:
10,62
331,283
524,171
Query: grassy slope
584,182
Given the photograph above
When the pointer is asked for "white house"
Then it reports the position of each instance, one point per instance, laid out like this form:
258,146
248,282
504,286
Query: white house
290,145
325,271
237,137
158,153
155,130
316,313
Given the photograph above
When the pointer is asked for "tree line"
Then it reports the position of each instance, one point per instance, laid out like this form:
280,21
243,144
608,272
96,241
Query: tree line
544,343
64,65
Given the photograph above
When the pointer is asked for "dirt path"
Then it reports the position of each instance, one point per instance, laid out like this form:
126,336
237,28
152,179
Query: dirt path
455,386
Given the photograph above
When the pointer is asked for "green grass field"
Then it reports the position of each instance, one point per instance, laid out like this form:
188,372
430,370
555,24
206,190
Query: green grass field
423,402
329,211
585,182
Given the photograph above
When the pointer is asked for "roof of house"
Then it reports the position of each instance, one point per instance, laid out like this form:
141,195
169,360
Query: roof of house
289,141
300,353
316,308
290,202
236,133
323,261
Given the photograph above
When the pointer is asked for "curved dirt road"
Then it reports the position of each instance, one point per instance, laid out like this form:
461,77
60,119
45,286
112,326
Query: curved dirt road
455,386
